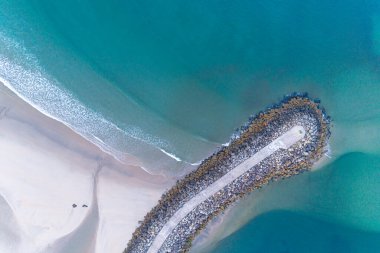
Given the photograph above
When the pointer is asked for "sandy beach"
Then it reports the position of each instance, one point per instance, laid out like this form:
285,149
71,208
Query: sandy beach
58,190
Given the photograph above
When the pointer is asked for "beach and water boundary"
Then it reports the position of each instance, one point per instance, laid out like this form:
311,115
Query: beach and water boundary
94,118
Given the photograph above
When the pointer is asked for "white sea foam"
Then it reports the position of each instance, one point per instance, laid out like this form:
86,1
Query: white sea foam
226,144
196,164
171,155
45,94
179,159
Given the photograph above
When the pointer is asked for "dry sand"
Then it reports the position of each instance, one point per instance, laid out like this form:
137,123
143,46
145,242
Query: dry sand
46,168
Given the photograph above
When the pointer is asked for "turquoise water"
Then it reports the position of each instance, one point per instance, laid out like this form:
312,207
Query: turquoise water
287,232
168,82
334,209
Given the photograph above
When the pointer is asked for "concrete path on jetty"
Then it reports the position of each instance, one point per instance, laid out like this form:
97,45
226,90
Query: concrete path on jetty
286,140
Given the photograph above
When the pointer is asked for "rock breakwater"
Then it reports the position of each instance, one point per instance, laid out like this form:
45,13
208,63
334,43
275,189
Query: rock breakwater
174,222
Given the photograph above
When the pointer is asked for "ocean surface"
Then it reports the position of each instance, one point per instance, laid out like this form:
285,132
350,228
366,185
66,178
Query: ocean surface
168,82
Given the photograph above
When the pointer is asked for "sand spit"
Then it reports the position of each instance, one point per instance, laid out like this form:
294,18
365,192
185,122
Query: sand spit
165,230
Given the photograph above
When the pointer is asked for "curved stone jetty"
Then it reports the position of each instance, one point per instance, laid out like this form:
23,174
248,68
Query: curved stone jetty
283,141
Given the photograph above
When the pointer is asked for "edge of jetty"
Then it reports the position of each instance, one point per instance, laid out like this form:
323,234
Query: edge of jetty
209,170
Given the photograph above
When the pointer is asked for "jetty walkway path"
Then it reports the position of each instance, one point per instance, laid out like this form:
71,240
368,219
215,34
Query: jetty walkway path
284,141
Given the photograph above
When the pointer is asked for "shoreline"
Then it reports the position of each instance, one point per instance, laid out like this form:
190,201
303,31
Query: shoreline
128,157
47,168
123,157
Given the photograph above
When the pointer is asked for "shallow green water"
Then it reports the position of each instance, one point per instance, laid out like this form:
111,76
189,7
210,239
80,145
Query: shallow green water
142,76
